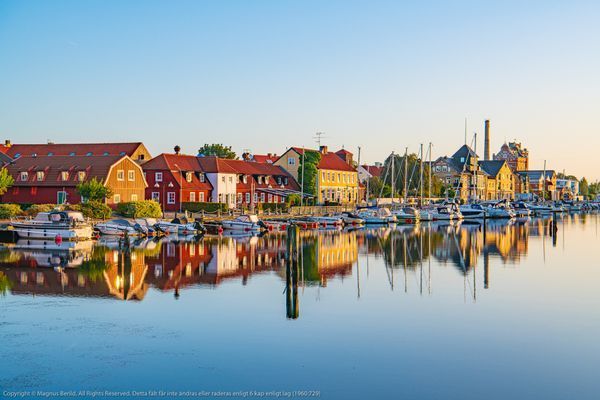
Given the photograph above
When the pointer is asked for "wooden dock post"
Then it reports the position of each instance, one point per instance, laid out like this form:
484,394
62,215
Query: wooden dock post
291,272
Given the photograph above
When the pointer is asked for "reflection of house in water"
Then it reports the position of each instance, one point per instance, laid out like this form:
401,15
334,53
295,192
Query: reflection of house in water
212,260
75,269
327,254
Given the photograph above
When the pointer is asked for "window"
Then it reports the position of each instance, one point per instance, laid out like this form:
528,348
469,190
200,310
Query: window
202,178
201,197
247,198
240,198
275,199
117,198
120,175
50,154
291,161
24,176
192,196
267,180
323,176
155,196
89,153
262,197
40,175
105,153
81,176
255,198
131,175
188,176
230,179
158,176
245,178
270,198
64,175
171,198
223,179
134,197
285,181
279,180
72,153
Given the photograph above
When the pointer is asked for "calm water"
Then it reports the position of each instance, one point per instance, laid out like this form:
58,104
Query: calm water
435,311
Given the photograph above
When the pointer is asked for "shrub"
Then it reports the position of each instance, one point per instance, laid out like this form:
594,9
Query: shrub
293,200
93,209
9,210
34,209
272,207
140,209
206,207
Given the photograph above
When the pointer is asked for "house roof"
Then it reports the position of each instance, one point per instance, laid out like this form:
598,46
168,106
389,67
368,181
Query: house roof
464,152
537,174
178,164
265,158
78,149
374,170
94,167
262,169
212,164
492,168
329,160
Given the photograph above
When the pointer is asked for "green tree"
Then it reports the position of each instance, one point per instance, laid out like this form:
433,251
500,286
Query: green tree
218,150
584,187
414,176
378,189
310,160
93,190
6,181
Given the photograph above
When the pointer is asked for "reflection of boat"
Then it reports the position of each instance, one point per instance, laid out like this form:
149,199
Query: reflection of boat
67,225
245,223
42,253
521,209
120,227
351,219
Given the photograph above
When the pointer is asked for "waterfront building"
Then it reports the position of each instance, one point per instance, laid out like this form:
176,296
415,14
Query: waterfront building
500,180
336,180
516,156
366,172
461,172
541,181
568,189
54,179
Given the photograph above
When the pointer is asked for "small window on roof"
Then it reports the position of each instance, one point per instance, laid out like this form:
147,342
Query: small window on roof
89,153
50,153
122,153
17,155
72,153
106,153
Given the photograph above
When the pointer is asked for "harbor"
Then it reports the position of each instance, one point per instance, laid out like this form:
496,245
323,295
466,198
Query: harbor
457,288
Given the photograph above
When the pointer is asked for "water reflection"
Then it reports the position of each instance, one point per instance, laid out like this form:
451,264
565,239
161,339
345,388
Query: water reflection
126,271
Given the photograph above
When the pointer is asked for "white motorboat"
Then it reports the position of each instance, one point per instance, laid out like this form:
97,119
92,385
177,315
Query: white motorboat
180,226
500,209
407,215
351,219
380,215
54,225
120,227
426,214
245,223
521,209
472,211
541,208
446,212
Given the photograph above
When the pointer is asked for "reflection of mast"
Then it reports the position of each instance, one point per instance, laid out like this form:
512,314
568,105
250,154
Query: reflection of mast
404,250
486,259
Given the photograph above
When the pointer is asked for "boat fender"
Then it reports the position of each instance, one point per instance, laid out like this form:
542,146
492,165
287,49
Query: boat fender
58,239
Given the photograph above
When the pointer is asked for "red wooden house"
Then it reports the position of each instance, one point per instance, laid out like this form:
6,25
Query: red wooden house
174,179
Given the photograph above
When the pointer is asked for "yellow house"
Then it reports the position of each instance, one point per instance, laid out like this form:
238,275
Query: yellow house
501,180
337,178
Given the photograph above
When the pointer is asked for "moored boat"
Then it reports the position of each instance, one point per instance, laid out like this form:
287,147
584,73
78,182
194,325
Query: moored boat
245,223
407,215
54,225
121,227
472,211
380,215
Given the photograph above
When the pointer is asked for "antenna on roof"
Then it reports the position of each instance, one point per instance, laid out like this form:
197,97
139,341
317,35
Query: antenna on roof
465,130
318,136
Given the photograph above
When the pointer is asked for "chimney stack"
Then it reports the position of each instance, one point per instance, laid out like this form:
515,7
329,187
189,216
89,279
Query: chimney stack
323,149
177,149
486,153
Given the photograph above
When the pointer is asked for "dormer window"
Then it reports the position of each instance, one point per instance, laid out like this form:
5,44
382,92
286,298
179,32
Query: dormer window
81,176
89,153
285,181
50,154
64,176
201,177
40,176
105,153
245,178
72,153
33,154
279,180
267,180
24,176
188,176
259,179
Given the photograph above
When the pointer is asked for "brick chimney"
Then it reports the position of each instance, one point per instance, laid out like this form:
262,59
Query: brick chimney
486,152
323,149
7,143
177,149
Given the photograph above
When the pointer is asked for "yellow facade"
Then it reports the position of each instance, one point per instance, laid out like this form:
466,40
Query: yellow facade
501,186
337,186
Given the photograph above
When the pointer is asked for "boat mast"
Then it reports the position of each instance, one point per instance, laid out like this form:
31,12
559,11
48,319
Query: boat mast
475,169
430,167
405,175
393,180
421,173
302,184
357,169
544,183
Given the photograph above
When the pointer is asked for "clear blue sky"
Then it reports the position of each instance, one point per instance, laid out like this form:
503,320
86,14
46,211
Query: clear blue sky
264,75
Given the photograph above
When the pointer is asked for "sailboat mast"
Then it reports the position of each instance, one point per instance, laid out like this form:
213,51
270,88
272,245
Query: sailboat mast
475,170
405,175
430,167
421,173
393,180
544,183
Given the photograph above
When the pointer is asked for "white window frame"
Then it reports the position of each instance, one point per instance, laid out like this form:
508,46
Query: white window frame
81,176
158,177
24,176
201,197
189,176
170,197
117,198
39,176
134,197
247,198
155,196
192,197
131,175
64,176
120,175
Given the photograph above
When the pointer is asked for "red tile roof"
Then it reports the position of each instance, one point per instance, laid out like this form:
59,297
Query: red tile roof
260,169
176,163
94,167
374,170
212,164
79,149
265,158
